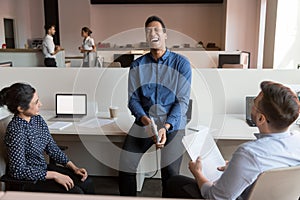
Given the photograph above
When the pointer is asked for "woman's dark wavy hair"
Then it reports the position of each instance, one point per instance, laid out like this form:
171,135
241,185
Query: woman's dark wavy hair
279,104
87,30
18,94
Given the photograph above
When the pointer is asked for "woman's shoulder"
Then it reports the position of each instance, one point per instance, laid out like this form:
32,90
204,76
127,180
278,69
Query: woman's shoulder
15,126
38,119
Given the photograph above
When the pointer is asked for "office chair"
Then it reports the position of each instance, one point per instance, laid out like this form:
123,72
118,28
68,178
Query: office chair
189,111
6,64
281,183
10,183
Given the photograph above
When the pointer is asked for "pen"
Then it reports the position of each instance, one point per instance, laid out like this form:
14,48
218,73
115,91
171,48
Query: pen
193,129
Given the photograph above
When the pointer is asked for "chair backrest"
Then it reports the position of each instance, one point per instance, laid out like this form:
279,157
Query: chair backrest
282,183
3,154
6,64
189,111
227,66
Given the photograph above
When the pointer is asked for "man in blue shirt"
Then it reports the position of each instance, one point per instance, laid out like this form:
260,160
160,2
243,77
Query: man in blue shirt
274,110
159,88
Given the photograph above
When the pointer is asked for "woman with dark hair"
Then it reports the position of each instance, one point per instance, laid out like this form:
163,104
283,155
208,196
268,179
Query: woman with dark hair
28,138
87,47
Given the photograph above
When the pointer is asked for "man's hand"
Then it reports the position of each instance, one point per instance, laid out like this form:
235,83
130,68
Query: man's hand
81,172
196,167
223,168
162,135
145,120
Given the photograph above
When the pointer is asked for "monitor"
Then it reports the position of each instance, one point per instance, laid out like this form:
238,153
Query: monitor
71,104
124,59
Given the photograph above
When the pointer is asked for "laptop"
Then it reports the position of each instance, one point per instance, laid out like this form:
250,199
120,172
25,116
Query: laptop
249,104
70,107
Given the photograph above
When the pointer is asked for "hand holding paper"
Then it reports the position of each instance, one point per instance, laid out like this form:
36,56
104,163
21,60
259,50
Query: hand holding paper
202,144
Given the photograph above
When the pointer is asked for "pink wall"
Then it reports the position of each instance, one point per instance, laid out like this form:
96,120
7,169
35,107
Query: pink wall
6,11
28,16
73,15
242,27
237,28
198,21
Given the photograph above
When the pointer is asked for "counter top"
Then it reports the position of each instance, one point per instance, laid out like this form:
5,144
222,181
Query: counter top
147,49
21,50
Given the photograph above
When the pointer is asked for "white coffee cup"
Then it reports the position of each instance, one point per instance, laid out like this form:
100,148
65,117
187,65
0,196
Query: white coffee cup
113,111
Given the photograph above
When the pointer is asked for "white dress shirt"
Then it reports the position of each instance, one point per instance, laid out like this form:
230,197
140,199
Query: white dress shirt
48,46
87,44
269,151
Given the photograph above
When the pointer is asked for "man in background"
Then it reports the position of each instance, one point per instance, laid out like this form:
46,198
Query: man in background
49,48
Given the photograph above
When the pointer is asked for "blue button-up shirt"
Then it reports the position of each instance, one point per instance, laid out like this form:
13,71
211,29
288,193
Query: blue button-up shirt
269,151
160,89
26,143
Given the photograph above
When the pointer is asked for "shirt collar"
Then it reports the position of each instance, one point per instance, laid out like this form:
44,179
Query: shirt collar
273,135
166,54
164,57
23,120
50,36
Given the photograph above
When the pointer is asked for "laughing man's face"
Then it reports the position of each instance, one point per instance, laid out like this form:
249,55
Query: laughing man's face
155,35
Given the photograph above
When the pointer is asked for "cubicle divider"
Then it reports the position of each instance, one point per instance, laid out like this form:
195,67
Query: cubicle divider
214,91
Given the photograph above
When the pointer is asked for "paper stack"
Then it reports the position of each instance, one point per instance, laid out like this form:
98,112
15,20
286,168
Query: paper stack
59,125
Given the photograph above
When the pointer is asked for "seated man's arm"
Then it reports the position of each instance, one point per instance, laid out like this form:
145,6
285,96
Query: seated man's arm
241,172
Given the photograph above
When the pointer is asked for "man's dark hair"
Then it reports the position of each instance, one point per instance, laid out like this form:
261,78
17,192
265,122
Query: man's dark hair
18,94
279,104
155,19
47,27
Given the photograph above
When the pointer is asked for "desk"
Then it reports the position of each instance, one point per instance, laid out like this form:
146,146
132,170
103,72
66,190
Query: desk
115,131
93,148
234,127
234,131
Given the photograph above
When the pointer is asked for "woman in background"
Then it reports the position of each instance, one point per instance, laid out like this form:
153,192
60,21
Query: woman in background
28,138
87,47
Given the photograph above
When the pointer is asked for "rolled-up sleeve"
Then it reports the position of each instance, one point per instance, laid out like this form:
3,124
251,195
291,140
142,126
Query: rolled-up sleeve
183,90
241,172
134,101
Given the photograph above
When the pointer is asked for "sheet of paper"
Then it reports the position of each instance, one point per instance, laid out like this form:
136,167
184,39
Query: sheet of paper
96,122
59,125
202,144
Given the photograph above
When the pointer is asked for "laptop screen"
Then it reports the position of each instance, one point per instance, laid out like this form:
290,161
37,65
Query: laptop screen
249,104
71,104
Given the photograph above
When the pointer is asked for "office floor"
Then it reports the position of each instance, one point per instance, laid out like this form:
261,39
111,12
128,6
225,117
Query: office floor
109,186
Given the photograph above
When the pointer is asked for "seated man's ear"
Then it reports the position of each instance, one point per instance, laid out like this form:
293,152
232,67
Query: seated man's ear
260,119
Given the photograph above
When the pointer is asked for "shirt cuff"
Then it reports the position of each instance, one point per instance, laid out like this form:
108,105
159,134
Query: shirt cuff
138,116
